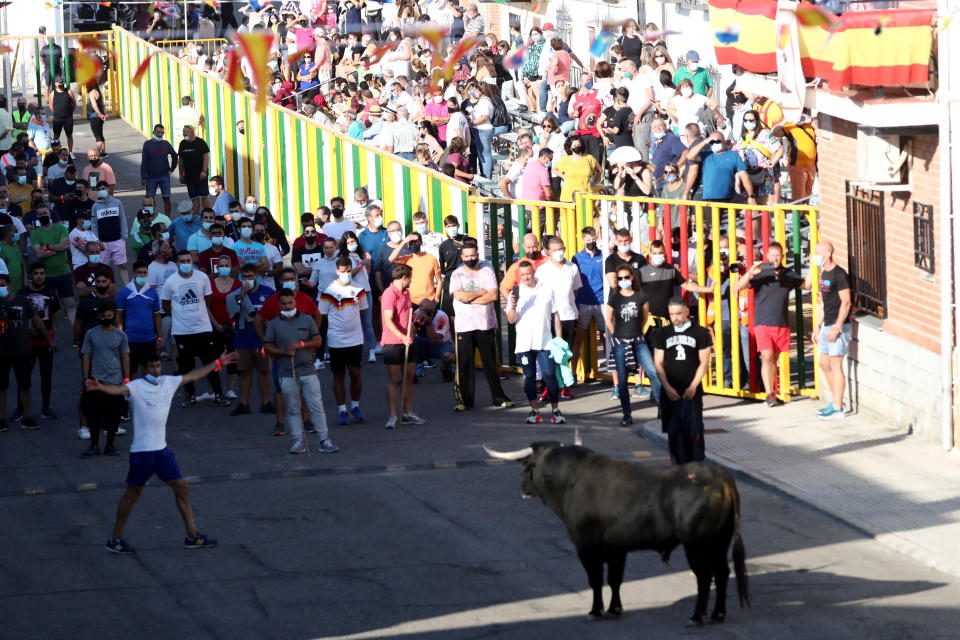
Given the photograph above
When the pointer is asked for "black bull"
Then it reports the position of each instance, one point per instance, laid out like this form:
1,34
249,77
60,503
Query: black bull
611,507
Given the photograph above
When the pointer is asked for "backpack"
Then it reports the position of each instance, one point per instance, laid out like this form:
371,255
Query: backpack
500,116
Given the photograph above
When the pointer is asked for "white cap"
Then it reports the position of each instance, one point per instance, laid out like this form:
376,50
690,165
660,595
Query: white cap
185,206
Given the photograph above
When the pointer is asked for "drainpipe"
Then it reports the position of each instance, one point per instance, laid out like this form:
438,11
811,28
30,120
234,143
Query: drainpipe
948,220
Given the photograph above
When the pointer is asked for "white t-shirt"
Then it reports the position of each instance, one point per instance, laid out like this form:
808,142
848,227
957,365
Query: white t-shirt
484,107
457,126
688,109
431,243
535,309
158,273
150,404
273,254
362,278
342,305
563,281
637,86
188,306
515,176
80,236
334,229
441,324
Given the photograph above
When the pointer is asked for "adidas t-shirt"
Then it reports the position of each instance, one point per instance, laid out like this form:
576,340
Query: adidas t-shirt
187,302
342,305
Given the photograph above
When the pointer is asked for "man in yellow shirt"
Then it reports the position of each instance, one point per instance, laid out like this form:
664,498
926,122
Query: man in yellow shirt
426,280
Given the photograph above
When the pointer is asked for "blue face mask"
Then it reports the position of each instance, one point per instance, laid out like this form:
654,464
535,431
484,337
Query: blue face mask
290,285
186,269
246,232
151,379
658,134
87,224
21,179
4,292
588,85
670,177
206,225
16,236
140,281
223,271
94,259
817,260
188,217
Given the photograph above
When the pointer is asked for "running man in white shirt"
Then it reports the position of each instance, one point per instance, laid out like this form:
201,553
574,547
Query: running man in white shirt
150,399
561,277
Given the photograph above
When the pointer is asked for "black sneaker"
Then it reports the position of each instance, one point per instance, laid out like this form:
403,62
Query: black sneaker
119,545
16,416
220,401
92,450
3,426
28,423
189,403
111,450
199,541
626,421
240,410
279,429
48,414
308,427
267,408
447,375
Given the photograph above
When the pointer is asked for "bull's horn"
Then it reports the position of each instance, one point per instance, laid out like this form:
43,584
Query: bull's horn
509,455
576,437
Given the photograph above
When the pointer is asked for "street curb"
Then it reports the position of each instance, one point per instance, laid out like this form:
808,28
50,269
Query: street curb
893,540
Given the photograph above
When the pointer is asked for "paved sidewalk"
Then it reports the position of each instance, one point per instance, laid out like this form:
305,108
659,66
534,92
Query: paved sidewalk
899,488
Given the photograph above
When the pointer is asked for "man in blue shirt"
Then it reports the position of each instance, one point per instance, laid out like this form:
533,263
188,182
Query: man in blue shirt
373,235
589,297
722,169
138,315
185,226
155,168
243,305
221,197
664,146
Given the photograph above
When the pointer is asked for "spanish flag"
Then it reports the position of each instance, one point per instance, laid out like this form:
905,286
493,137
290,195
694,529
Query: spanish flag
869,48
256,48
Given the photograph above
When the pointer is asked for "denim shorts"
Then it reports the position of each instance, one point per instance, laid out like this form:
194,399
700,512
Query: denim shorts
163,183
838,347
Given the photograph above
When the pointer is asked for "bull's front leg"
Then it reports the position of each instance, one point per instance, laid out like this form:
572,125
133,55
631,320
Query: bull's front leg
593,564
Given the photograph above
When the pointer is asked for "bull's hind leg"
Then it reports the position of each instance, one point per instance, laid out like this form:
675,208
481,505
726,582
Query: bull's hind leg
702,569
721,575
593,564
616,561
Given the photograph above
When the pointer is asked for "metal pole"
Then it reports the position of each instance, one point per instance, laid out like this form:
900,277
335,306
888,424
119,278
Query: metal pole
7,71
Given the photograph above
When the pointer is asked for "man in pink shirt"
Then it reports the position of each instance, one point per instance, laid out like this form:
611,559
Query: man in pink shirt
437,112
395,309
536,177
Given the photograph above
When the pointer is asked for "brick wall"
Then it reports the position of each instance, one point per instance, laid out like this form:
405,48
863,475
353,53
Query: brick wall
912,294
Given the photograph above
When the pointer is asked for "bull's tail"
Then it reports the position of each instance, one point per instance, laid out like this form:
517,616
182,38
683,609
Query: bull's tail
739,554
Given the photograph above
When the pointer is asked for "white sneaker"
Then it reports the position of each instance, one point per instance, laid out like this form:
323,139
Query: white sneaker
320,364
412,418
230,394
298,447
205,396
328,447
84,433
121,431
391,423
316,363
373,356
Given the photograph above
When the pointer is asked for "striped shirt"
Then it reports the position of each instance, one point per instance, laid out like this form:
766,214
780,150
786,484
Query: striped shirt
404,136
342,305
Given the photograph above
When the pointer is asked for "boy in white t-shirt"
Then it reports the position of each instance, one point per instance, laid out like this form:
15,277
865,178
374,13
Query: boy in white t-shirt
341,303
150,399
79,237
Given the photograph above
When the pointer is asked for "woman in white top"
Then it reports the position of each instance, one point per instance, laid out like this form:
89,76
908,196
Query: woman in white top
398,60
481,127
686,106
603,83
350,248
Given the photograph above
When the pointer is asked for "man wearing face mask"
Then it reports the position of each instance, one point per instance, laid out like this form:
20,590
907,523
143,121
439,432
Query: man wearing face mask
338,223
562,278
641,101
220,246
243,305
106,358
431,239
46,303
86,275
186,298
722,171
203,239
66,195
155,216
449,260
340,305
51,245
425,281
221,197
194,157
324,270
97,170
248,250
274,257
474,290
664,147
700,77
658,279
109,224
39,132
184,226
158,161
12,254
374,235
58,168
19,317
382,265
139,315
589,261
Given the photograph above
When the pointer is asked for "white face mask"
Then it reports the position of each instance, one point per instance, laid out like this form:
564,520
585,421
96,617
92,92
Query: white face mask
345,277
623,248
251,207
288,313
716,147
352,247
557,255
657,259
395,236
625,284
683,327
452,231
686,92
378,221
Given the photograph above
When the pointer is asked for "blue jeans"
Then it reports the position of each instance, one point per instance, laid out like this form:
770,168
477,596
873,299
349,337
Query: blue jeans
407,155
366,321
641,353
548,368
481,143
544,93
154,184
728,356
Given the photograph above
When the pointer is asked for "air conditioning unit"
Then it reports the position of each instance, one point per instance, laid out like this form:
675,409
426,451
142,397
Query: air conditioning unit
880,158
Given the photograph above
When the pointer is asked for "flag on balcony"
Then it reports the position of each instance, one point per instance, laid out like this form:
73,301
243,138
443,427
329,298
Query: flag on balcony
888,47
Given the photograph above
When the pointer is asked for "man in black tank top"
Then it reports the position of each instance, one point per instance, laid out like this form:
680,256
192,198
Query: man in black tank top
62,101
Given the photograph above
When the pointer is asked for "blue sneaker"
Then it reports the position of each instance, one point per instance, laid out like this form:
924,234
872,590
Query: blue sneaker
420,370
199,542
826,410
119,545
357,414
833,414
615,393
344,418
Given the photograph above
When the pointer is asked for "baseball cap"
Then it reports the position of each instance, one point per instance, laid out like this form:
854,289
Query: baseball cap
185,206
548,26
693,56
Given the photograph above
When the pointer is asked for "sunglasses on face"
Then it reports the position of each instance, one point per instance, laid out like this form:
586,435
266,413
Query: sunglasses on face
749,120
669,173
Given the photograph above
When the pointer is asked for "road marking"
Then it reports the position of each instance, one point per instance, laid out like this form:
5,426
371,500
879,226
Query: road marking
440,465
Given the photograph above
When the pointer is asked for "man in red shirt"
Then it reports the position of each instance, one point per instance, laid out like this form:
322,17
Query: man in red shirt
307,220
531,253
269,311
397,340
209,259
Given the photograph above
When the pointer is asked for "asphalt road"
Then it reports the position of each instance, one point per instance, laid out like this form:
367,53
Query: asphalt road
401,534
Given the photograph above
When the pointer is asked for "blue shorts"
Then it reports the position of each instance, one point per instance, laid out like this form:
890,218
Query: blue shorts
143,464
163,183
428,349
63,285
838,347
199,189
